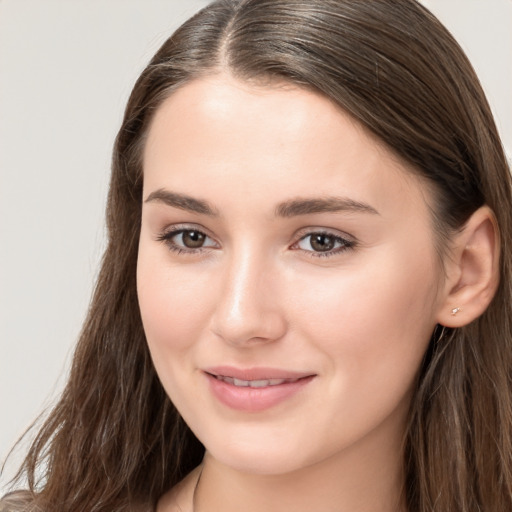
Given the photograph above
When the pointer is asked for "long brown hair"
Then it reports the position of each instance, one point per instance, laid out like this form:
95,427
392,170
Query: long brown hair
115,440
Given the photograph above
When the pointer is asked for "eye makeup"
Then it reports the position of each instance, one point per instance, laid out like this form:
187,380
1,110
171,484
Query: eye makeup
315,243
323,244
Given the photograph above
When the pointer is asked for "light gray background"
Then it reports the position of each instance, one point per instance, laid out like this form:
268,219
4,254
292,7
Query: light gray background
66,69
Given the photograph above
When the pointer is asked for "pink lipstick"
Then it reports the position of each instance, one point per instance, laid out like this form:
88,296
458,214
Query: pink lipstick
254,389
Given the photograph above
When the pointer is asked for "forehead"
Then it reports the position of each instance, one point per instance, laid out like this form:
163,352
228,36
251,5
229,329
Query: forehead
260,142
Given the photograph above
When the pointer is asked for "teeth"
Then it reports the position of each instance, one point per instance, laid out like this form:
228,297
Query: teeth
254,383
259,383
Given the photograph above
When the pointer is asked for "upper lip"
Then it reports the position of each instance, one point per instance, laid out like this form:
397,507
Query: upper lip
256,373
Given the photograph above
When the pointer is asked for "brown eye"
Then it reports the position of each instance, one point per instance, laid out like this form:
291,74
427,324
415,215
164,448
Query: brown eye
187,241
321,242
193,239
324,244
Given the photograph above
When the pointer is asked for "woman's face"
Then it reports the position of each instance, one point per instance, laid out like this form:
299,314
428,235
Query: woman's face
287,275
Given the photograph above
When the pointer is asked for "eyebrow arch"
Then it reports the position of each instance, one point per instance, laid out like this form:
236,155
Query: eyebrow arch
182,201
291,208
306,206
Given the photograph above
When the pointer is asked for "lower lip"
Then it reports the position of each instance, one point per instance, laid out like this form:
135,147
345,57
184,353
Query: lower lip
245,398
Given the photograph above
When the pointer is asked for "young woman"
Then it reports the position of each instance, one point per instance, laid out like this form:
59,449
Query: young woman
305,300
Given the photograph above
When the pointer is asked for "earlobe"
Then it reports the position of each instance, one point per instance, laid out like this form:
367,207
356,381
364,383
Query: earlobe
473,270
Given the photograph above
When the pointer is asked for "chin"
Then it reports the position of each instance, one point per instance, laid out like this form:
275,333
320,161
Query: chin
260,462
262,453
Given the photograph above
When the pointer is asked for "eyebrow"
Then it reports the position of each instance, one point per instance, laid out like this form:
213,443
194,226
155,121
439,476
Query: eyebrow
183,202
300,206
291,208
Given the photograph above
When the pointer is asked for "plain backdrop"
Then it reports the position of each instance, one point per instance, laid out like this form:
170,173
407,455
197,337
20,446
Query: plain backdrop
66,69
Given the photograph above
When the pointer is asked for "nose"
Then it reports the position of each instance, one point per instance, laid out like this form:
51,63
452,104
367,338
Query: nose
249,310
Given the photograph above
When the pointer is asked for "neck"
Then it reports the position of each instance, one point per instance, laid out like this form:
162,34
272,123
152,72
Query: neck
353,480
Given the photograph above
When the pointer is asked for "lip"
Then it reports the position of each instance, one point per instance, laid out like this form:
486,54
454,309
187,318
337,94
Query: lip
256,373
255,399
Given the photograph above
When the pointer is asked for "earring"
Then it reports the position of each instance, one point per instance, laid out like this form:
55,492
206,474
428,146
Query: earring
455,311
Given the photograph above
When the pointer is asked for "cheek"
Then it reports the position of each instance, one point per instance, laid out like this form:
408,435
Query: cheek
373,328
373,318
173,304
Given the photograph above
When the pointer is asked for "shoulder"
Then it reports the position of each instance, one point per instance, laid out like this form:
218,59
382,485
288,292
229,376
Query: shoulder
179,498
23,501
17,501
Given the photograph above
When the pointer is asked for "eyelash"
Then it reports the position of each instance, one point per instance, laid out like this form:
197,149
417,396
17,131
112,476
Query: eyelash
167,238
346,244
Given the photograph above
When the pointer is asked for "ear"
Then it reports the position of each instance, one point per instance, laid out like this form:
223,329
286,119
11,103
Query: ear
472,270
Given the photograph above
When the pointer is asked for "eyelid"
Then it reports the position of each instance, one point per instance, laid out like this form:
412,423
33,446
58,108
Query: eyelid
303,232
349,242
175,228
169,232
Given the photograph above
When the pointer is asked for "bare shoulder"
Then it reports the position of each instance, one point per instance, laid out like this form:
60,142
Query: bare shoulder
179,498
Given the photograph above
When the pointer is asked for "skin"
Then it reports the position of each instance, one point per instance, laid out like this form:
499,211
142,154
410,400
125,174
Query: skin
257,294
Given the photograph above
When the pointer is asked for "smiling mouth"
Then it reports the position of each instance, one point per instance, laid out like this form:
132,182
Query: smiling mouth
255,389
260,383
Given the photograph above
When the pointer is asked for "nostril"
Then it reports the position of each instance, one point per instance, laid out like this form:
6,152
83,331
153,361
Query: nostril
264,327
